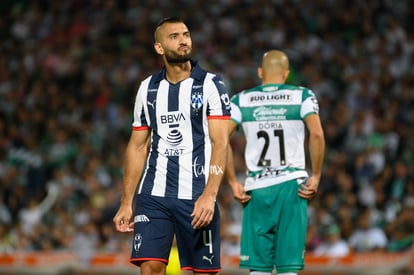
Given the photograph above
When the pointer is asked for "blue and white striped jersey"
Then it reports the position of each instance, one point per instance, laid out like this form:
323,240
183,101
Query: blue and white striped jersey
179,158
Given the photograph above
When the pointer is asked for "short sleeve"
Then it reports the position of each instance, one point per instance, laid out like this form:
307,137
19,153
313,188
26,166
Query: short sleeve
310,104
140,120
218,99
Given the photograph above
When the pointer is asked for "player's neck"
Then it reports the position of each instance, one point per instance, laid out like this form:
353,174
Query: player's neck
272,82
178,72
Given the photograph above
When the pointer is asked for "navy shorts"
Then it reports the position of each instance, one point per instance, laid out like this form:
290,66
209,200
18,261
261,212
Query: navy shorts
156,221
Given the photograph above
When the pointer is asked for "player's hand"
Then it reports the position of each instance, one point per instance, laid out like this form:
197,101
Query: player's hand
203,211
309,189
122,219
238,193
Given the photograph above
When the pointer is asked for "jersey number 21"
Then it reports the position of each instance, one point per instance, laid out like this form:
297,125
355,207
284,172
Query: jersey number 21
277,133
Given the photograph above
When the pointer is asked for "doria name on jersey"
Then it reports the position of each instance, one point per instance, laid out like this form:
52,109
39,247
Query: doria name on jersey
177,114
272,117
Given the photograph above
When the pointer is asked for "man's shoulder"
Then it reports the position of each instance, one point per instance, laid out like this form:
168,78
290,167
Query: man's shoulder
293,87
272,87
199,72
247,91
305,92
153,77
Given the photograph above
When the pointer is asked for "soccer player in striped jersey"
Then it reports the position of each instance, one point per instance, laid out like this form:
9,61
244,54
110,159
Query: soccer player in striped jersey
177,152
277,188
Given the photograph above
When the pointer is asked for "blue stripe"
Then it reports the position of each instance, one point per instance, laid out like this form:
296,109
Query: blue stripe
173,100
151,103
173,166
142,117
198,135
172,176
148,181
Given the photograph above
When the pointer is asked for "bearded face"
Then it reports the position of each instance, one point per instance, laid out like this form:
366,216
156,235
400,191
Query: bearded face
174,57
173,41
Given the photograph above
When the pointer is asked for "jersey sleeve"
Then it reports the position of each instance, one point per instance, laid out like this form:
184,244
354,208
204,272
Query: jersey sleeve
236,115
218,99
140,121
309,104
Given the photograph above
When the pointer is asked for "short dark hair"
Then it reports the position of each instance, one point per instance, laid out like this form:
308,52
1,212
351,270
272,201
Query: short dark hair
170,20
166,20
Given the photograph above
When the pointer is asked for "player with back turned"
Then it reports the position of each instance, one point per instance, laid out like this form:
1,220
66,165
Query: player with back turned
273,117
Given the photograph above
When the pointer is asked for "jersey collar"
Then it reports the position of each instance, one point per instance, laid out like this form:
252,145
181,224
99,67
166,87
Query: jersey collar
197,72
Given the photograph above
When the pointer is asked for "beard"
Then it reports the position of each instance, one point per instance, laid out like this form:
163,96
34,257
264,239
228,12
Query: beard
175,58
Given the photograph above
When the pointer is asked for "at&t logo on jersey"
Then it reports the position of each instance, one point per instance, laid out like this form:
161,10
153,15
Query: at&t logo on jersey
174,137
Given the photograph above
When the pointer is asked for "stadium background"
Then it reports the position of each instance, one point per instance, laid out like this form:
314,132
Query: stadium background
69,71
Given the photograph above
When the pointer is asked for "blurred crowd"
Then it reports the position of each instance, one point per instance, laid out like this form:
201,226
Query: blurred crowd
69,71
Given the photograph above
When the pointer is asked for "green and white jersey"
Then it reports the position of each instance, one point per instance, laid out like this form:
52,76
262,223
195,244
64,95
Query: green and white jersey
271,116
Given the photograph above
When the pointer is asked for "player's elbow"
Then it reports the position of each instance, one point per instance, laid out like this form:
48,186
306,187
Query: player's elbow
317,140
221,144
320,137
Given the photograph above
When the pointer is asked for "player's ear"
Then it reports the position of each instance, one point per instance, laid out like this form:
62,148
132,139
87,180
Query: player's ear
286,74
260,72
158,48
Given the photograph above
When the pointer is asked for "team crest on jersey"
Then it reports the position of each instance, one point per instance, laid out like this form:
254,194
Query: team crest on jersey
196,101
